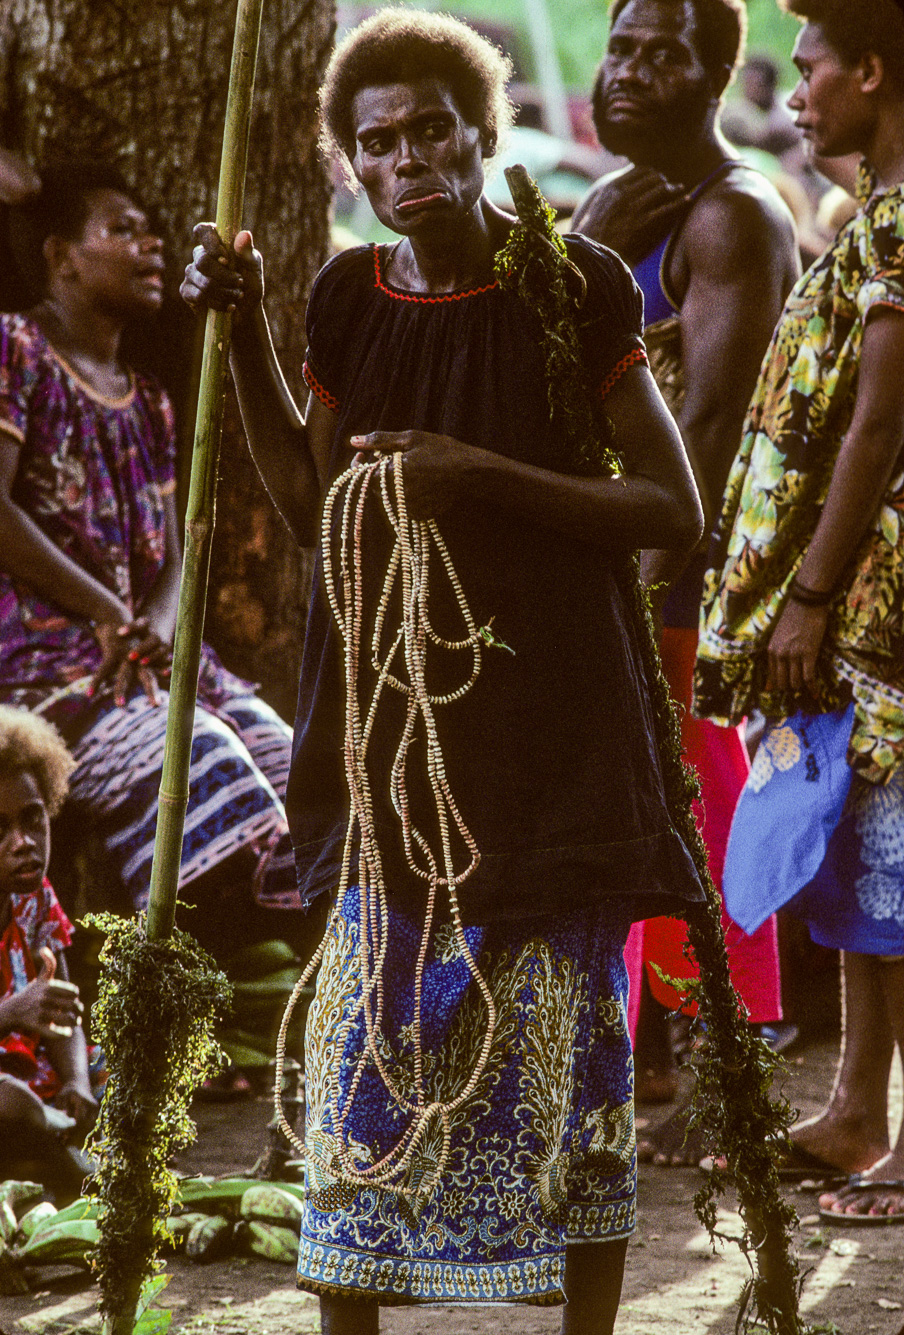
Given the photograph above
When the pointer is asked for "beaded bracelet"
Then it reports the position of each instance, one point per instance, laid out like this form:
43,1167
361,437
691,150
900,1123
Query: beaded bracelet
807,597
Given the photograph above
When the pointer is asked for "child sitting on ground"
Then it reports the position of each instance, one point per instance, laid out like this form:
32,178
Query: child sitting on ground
46,1100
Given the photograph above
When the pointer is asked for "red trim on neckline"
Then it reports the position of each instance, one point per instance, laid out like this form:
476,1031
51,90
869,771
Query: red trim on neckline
429,301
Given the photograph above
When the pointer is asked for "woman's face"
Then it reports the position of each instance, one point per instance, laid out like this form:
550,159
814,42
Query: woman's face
829,101
419,160
117,261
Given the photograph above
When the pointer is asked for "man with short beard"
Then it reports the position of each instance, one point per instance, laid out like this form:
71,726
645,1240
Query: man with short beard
714,250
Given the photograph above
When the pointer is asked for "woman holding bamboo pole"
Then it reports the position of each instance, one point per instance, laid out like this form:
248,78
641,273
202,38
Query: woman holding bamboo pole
468,1071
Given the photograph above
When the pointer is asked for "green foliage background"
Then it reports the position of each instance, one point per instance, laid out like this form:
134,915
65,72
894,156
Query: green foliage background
581,30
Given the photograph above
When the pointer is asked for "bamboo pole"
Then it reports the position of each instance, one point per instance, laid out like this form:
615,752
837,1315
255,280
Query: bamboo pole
199,524
199,519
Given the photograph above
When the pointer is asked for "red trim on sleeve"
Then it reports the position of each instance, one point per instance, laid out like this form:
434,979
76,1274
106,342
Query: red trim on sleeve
633,358
326,398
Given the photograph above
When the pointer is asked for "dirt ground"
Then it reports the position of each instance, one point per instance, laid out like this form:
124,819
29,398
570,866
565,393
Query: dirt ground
854,1284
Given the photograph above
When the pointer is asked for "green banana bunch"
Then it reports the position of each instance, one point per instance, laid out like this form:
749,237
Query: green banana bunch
8,1224
180,1225
270,1204
209,1238
21,1195
273,1242
264,975
253,962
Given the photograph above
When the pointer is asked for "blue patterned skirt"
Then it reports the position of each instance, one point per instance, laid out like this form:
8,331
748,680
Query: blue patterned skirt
541,1155
810,835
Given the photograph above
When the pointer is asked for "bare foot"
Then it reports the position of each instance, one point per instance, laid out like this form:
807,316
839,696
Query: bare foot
845,1142
876,1194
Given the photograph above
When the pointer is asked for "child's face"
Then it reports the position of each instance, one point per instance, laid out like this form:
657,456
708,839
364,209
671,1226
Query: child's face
24,834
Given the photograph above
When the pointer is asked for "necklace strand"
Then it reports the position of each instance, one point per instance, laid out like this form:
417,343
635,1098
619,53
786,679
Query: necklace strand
408,572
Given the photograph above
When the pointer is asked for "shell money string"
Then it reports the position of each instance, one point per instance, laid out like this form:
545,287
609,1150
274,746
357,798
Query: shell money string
409,567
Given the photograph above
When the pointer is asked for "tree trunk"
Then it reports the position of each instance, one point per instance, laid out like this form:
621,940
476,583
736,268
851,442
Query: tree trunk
144,82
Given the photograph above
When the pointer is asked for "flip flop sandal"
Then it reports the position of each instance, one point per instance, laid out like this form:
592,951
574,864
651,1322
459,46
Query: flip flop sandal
857,1184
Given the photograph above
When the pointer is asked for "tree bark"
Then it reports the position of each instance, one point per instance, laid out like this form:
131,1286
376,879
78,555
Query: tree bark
144,82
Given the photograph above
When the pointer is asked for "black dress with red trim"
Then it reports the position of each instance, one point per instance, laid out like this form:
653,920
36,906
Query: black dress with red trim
551,756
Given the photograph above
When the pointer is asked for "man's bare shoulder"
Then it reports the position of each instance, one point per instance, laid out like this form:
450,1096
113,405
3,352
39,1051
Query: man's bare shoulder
737,218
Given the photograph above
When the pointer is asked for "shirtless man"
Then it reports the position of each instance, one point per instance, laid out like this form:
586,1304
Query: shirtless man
714,249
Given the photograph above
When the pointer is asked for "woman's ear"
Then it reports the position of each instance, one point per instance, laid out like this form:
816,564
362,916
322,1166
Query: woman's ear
872,76
56,254
488,145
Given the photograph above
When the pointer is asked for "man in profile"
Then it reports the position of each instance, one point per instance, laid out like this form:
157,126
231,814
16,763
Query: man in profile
714,249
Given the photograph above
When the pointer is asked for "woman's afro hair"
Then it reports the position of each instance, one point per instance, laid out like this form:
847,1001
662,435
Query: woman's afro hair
398,45
30,744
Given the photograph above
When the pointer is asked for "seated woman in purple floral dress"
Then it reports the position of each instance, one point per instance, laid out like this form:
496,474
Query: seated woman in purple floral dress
90,553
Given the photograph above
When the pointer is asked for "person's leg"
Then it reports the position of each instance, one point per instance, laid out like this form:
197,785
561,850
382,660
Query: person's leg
655,1068
852,1132
20,1104
889,1168
346,1316
593,1285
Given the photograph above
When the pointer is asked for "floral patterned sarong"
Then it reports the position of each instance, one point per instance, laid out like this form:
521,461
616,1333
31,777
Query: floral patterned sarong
543,1154
796,423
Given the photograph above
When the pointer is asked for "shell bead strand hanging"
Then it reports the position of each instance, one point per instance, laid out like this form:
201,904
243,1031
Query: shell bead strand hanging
409,568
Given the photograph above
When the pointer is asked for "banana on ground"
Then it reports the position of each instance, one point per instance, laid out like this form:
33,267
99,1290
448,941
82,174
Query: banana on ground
31,1221
272,1205
273,1242
21,1195
209,1238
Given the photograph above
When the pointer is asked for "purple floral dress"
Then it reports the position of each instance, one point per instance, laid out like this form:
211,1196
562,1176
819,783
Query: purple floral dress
93,473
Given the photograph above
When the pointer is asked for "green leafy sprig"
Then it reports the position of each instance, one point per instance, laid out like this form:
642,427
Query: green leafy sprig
154,1019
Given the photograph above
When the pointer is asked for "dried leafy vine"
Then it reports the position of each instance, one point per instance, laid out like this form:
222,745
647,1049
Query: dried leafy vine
154,1018
732,1106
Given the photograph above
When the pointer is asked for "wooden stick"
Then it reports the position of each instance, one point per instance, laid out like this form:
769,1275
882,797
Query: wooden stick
199,523
199,519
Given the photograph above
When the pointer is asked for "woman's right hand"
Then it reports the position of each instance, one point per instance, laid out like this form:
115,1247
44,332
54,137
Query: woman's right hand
220,281
130,652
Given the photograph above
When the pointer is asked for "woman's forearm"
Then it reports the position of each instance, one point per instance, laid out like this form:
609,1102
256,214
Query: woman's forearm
27,554
855,494
627,511
869,454
276,430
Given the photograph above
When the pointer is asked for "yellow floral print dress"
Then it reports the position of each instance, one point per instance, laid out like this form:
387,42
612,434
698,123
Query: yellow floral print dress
800,412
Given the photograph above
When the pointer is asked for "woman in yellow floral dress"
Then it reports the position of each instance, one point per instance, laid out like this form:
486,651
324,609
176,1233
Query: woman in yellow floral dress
803,613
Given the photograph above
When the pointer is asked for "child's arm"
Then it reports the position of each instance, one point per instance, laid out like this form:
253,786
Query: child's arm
69,1058
44,1005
